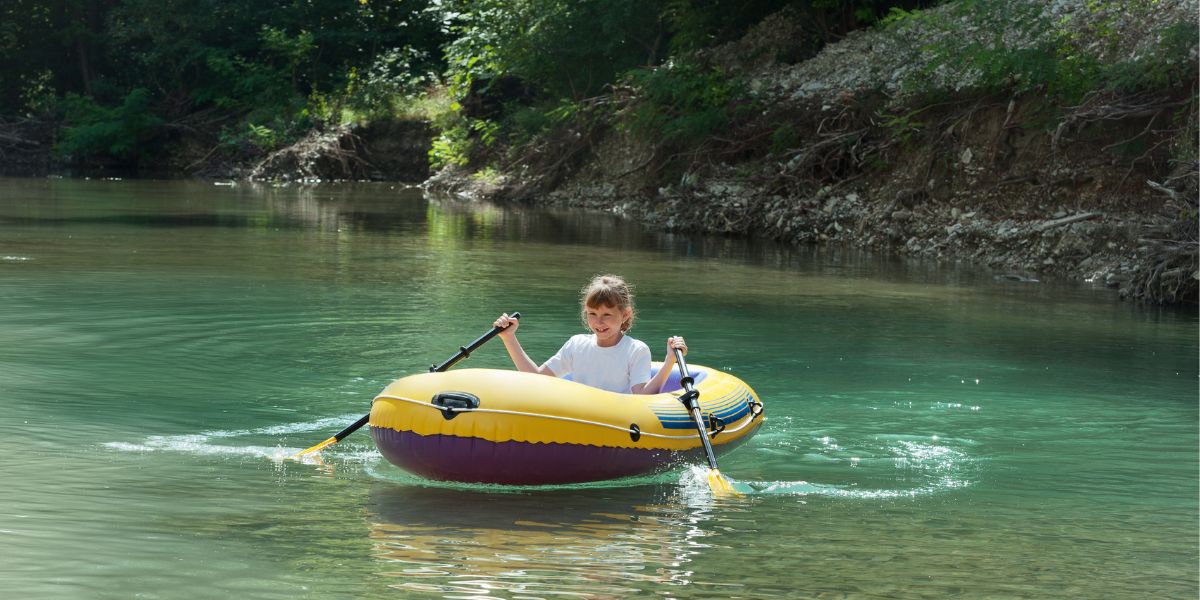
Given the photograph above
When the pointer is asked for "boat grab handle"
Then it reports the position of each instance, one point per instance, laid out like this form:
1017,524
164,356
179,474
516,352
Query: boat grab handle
453,402
716,424
756,408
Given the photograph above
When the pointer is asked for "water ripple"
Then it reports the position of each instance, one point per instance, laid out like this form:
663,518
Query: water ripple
201,444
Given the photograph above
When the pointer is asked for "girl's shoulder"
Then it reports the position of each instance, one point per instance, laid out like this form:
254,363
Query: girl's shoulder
636,344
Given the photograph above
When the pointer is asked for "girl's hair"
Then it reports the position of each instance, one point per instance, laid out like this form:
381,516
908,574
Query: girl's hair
611,291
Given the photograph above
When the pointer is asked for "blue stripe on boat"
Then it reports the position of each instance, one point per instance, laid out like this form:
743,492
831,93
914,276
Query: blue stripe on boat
729,409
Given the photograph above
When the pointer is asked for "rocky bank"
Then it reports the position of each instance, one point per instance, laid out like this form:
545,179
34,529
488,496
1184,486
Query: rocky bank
1104,191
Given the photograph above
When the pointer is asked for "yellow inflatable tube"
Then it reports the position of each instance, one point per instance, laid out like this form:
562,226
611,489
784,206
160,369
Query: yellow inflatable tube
499,426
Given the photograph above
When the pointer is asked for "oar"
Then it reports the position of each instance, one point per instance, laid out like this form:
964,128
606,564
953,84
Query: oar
691,400
463,352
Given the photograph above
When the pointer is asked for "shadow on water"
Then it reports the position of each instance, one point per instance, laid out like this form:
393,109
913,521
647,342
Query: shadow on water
149,220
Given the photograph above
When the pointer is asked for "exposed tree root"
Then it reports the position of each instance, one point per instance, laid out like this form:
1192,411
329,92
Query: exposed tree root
1172,246
25,145
321,155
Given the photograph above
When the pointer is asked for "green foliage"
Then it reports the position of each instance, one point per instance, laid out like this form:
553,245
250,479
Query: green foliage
902,126
898,17
394,85
523,123
784,138
986,57
263,72
565,51
699,24
240,85
263,137
428,105
526,122
1019,48
116,131
680,104
37,92
282,65
1167,65
294,50
486,131
451,147
486,175
565,48
47,49
696,24
272,56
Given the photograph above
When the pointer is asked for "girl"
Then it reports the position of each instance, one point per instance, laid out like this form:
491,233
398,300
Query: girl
608,358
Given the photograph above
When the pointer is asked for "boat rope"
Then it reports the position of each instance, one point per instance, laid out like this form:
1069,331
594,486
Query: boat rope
497,411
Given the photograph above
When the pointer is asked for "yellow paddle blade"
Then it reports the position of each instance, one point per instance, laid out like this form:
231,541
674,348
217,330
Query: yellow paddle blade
719,485
319,447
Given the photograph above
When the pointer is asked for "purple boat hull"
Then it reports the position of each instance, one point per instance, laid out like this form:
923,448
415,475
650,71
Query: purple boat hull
474,460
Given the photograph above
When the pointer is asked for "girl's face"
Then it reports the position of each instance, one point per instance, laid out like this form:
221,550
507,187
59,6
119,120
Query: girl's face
605,322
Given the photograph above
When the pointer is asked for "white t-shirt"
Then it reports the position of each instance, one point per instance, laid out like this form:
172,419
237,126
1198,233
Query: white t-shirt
616,369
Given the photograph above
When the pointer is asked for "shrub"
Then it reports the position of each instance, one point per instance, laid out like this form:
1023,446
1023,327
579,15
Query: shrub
119,131
1025,50
679,104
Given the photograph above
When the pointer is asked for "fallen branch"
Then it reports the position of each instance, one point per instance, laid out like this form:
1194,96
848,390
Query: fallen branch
1158,187
17,140
1067,220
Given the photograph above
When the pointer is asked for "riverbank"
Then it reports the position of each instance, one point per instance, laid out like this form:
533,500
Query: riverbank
1037,139
846,150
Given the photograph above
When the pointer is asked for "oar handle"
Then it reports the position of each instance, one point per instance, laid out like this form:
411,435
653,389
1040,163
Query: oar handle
685,377
465,351
691,401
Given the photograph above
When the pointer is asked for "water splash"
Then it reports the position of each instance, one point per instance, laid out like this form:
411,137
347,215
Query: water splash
694,486
919,466
206,443
199,445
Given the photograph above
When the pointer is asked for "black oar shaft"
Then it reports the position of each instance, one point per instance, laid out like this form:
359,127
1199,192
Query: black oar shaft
685,376
691,400
337,437
462,353
708,449
465,351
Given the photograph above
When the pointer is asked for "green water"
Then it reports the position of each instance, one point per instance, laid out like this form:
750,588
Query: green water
931,432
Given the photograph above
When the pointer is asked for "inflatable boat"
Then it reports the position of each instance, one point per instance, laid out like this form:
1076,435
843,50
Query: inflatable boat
513,428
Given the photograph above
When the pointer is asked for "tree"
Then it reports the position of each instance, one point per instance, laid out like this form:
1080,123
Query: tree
564,48
50,48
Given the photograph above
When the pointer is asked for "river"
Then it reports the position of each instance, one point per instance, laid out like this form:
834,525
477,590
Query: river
932,431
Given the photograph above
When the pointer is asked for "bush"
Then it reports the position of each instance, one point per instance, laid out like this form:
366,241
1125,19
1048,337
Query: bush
120,131
1024,50
680,104
568,48
452,147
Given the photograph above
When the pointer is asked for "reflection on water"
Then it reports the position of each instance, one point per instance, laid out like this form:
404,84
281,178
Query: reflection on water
611,544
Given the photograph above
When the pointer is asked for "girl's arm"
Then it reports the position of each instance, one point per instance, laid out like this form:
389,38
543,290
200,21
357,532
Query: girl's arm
654,386
521,360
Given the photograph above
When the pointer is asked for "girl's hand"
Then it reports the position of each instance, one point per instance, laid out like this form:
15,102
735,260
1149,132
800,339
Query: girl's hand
673,342
508,326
